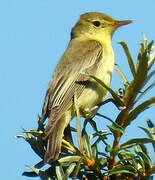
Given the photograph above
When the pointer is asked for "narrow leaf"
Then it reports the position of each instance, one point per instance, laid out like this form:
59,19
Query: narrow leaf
144,92
39,165
146,159
136,141
121,75
94,151
69,159
128,156
115,129
70,169
130,60
151,60
91,122
149,76
60,173
77,169
30,174
87,145
40,173
149,132
122,169
115,126
142,67
140,108
144,149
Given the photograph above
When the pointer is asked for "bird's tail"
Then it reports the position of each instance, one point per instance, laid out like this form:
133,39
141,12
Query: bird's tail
54,138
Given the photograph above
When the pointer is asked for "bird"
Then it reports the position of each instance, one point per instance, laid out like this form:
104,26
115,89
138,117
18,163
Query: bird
89,51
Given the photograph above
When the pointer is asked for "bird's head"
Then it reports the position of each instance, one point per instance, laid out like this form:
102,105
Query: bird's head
96,25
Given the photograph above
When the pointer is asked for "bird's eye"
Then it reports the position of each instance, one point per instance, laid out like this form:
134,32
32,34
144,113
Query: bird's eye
96,23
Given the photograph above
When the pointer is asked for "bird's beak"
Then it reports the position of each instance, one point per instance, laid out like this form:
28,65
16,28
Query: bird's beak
122,23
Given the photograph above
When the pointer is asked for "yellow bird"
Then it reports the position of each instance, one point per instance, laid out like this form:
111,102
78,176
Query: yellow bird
89,51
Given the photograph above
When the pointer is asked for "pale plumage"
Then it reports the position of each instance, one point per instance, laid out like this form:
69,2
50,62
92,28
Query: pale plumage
89,51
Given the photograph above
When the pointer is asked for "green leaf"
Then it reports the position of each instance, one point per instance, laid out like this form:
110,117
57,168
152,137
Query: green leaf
77,169
108,148
41,174
128,156
70,169
149,131
30,174
102,162
99,133
91,122
144,39
35,143
152,59
39,165
146,159
122,169
150,46
115,127
140,108
136,141
142,69
20,136
60,173
130,60
144,149
101,137
142,64
69,159
94,151
151,62
87,145
34,133
149,76
144,92
121,75
151,134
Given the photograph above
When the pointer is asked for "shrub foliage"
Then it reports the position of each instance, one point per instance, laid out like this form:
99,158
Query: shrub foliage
129,160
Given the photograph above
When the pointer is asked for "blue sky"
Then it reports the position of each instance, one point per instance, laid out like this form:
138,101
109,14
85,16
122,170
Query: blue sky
33,36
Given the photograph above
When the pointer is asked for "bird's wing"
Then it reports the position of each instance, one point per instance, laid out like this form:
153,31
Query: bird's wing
82,56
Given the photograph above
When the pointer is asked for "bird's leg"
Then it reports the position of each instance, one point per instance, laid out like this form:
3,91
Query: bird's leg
78,123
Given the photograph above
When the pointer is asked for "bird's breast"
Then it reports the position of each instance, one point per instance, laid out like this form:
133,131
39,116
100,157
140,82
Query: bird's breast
94,93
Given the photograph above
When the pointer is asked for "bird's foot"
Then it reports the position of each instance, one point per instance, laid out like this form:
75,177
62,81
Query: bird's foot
90,113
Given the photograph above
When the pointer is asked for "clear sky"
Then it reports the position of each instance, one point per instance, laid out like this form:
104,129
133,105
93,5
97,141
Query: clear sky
33,36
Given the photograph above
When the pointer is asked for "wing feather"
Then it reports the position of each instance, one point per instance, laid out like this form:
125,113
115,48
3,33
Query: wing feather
80,56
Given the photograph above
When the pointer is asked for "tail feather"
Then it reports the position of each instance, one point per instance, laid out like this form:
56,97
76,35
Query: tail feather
53,145
54,137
